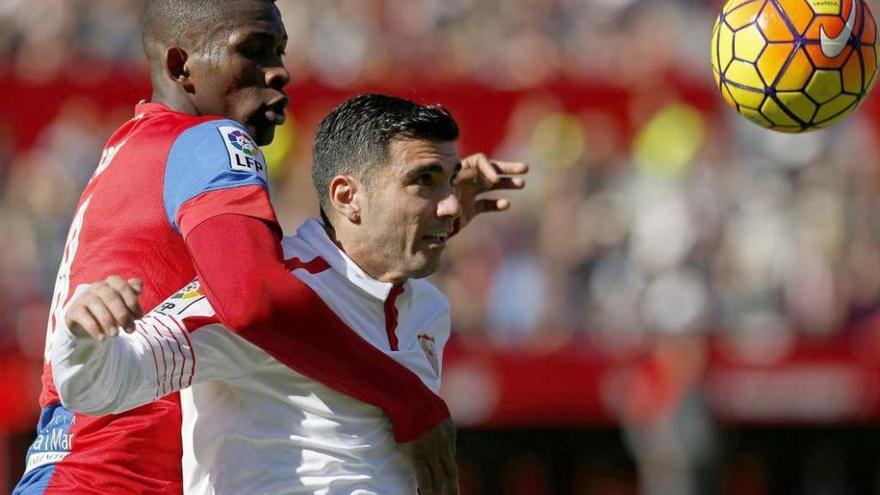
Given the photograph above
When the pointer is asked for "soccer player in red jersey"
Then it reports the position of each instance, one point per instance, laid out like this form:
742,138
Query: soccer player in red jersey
181,191
386,173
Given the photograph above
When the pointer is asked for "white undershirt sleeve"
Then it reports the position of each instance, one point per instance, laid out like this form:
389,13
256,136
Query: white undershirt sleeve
127,371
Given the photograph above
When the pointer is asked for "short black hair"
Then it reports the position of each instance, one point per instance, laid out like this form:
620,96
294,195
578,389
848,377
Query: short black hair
168,22
355,137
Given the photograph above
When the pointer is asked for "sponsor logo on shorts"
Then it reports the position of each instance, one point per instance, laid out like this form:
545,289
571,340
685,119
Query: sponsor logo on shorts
53,441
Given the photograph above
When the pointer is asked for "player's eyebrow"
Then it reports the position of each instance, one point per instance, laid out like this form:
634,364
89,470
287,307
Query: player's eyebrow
261,35
427,168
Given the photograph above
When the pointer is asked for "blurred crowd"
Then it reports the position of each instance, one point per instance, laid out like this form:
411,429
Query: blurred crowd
684,221
504,43
663,217
690,224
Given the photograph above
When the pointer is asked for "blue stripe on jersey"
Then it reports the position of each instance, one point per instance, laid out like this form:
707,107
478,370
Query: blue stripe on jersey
49,448
200,160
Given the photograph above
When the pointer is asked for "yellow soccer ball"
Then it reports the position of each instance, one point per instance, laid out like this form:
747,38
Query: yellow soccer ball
794,65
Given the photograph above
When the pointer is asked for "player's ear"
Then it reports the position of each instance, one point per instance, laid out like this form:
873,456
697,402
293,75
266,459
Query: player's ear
176,66
345,196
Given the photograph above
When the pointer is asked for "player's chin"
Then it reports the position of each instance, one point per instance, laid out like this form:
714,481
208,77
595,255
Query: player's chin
263,134
424,265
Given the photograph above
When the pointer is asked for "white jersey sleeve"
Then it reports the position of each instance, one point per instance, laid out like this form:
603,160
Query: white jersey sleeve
131,370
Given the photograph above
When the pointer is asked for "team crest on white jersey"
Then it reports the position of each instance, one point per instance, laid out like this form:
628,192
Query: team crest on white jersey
426,342
244,154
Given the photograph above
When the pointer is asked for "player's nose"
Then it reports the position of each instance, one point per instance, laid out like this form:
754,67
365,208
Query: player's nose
277,77
449,206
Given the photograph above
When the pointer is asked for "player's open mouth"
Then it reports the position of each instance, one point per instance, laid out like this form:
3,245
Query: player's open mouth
274,116
437,239
274,112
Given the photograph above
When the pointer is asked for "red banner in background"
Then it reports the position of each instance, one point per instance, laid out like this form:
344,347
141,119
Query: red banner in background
490,386
484,113
808,383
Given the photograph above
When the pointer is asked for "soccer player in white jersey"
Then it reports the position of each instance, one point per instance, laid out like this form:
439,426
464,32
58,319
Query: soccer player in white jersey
392,191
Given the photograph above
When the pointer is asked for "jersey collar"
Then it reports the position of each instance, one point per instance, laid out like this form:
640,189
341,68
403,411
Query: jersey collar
144,107
313,233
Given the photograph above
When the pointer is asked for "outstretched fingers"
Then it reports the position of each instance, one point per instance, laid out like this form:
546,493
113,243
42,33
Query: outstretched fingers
510,168
489,205
509,183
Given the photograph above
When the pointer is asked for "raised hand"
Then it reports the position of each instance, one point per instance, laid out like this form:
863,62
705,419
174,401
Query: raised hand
480,174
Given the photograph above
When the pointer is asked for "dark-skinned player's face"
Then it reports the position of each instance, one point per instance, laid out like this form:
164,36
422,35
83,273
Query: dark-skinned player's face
238,71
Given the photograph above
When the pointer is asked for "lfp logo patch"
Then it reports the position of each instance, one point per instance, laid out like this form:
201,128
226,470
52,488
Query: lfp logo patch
190,296
244,154
243,142
193,289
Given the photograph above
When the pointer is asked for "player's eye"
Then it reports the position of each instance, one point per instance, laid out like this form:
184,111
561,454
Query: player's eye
253,52
425,180
261,53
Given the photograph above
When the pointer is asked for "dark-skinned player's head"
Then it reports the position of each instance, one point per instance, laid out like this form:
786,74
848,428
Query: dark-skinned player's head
219,57
383,170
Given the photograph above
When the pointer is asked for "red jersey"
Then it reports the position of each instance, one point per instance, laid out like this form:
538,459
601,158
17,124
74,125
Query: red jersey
147,191
164,176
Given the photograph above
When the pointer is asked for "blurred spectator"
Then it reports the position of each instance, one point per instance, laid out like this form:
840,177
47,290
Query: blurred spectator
680,222
665,420
649,223
504,43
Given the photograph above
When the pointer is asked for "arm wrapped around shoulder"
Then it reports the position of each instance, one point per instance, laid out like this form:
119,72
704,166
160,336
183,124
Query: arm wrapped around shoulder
105,376
240,264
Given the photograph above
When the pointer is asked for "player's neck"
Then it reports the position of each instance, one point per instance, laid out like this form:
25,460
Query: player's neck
173,100
361,255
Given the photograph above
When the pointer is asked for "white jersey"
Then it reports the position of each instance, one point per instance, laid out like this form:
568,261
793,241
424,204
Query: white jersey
251,424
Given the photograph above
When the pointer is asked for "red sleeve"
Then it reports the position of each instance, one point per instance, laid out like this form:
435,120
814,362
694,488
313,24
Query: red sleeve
240,263
252,201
